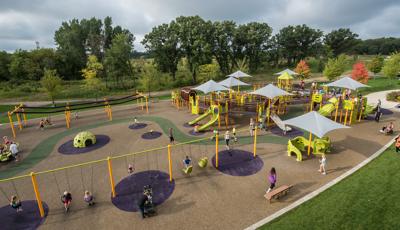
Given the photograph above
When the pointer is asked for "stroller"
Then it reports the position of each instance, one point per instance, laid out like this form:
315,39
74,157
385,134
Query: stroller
149,209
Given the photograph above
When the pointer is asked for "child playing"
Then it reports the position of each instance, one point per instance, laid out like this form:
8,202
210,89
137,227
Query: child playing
322,165
252,127
227,138
272,179
16,203
234,134
187,162
66,198
88,198
215,132
130,169
41,124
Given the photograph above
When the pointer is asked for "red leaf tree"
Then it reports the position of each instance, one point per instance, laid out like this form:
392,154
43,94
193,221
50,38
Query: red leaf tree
303,69
360,72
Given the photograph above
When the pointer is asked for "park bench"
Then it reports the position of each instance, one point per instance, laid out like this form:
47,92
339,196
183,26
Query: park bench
278,192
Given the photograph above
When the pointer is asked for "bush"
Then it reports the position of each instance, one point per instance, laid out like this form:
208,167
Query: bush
393,96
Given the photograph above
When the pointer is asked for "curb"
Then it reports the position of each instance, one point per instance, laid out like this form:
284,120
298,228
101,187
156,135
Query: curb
320,190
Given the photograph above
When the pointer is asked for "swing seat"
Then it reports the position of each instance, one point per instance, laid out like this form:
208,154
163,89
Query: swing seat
203,162
187,170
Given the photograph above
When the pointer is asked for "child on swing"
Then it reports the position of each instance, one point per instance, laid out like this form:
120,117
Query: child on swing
16,203
88,198
66,198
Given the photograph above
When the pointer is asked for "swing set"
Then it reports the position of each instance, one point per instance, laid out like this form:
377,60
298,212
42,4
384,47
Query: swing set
21,111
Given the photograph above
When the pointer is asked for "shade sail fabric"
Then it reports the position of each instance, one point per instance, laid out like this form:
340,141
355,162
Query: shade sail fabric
285,76
314,123
231,81
210,86
290,72
238,74
347,83
270,91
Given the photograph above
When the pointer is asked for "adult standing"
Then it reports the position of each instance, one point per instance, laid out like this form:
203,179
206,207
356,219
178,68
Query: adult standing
378,112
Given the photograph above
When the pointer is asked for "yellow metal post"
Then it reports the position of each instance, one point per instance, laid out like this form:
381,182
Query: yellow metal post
37,194
361,110
147,105
337,109
255,143
169,163
309,145
268,111
11,124
216,150
66,119
19,120
345,116
351,116
24,116
110,112
111,176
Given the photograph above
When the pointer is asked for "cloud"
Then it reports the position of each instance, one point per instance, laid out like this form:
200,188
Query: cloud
24,22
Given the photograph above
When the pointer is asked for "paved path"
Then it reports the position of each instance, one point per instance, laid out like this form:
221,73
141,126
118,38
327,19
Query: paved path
373,99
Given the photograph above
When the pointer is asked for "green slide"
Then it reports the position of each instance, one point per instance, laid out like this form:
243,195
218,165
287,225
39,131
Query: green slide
201,117
327,109
208,124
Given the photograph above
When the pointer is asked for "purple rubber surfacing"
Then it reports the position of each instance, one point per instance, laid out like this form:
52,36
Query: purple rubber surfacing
239,163
137,126
130,189
279,132
149,136
29,218
69,149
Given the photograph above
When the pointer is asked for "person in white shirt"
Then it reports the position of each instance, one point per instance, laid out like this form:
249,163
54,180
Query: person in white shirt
227,138
14,150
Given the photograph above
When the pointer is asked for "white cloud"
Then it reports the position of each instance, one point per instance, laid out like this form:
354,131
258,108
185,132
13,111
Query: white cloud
24,22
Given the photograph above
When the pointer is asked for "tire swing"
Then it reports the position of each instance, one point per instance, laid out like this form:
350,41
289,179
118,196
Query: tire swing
204,160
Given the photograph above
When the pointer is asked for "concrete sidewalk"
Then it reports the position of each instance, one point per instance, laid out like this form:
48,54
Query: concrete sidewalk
373,99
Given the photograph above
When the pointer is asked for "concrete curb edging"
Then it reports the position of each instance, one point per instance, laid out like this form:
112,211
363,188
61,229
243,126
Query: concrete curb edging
320,190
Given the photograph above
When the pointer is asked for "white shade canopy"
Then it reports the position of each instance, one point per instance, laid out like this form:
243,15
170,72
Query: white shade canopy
290,72
270,91
238,74
314,123
231,81
210,86
347,83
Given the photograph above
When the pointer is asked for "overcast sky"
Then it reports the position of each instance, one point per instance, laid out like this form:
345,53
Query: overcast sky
22,22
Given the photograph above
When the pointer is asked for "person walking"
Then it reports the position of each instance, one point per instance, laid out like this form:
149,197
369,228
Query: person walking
272,179
227,138
322,165
171,136
378,112
252,127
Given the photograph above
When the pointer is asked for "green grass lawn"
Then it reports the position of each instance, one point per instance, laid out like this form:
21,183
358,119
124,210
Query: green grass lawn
368,199
380,84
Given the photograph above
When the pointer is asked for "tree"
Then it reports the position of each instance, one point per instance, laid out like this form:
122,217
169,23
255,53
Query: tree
222,45
51,82
340,41
108,32
117,59
91,74
209,71
335,67
148,77
194,39
5,60
70,40
376,64
303,69
94,40
391,68
251,41
163,44
298,42
360,72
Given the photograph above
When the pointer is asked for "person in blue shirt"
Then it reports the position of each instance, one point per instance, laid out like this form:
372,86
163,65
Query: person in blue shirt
187,162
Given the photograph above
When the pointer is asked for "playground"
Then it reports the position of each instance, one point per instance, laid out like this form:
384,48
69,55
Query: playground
226,191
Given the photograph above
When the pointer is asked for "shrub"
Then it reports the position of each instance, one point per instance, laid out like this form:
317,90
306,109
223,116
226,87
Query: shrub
393,96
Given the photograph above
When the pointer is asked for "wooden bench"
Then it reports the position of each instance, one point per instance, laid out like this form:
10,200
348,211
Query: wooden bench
278,192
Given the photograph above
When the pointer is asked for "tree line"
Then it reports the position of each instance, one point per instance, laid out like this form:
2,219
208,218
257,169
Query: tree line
191,40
